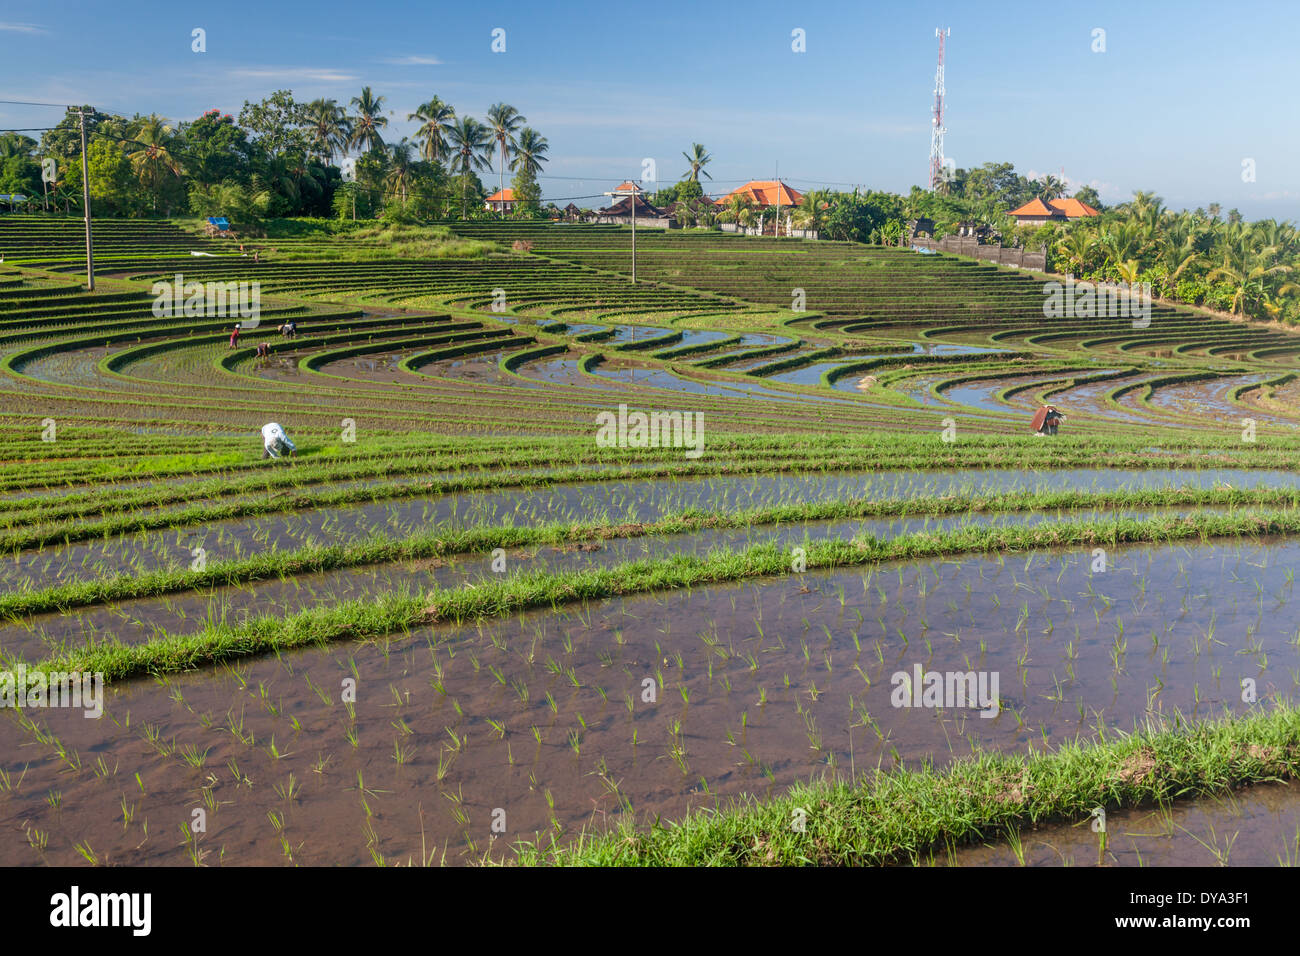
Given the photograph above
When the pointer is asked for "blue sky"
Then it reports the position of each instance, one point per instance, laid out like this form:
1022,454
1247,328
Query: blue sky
1183,93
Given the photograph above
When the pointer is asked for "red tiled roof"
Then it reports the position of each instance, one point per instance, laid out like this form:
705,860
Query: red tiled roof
766,192
502,195
1036,207
1074,209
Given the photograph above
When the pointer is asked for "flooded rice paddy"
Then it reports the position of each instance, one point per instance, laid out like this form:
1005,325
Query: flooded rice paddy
654,703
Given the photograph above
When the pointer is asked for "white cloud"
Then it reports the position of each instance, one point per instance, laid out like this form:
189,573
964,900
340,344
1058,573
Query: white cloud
296,74
413,60
22,27
1109,191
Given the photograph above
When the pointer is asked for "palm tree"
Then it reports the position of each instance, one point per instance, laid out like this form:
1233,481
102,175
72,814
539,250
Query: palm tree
155,160
403,166
738,209
503,120
370,119
1120,242
1249,271
1176,253
297,182
1077,247
435,119
530,152
812,211
698,158
1049,187
15,144
329,128
470,140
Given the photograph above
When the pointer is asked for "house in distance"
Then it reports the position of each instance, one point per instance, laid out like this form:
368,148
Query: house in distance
503,201
1036,212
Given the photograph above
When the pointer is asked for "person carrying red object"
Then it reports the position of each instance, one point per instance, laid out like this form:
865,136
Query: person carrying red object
1047,420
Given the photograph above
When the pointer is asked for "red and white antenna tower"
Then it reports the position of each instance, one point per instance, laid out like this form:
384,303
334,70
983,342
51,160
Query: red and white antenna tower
936,135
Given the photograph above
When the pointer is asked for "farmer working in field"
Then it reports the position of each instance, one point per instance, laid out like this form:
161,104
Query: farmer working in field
1047,420
275,442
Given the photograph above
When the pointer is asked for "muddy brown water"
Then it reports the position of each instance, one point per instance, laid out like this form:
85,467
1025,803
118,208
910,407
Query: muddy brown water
138,620
1211,399
613,501
1252,826
756,686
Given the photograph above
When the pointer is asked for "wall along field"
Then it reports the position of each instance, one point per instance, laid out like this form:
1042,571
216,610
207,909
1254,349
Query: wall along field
570,569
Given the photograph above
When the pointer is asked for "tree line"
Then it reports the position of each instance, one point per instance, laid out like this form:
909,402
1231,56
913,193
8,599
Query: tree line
282,158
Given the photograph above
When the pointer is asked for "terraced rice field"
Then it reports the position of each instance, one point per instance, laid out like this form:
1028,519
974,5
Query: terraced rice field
459,627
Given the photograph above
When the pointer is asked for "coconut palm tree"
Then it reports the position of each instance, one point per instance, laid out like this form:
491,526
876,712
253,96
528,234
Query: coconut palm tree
298,182
470,141
697,158
1120,242
1176,252
530,152
1049,187
402,166
370,119
812,211
435,118
739,209
1251,275
15,144
1077,247
153,161
328,128
503,121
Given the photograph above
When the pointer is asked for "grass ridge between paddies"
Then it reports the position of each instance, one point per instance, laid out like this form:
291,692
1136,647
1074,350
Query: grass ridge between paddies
391,612
442,542
905,815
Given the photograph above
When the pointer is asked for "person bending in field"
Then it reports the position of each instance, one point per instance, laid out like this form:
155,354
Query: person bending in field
1051,420
275,442
234,336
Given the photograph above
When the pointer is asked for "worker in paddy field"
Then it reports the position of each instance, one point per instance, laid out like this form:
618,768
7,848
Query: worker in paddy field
1047,420
234,336
275,442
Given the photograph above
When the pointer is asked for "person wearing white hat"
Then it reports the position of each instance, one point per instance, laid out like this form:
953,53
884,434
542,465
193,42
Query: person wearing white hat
275,442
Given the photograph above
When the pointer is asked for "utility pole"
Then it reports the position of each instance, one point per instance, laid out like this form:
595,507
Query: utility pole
777,233
632,194
85,200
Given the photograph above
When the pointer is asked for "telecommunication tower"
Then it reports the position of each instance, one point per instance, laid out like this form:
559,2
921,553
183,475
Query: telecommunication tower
936,134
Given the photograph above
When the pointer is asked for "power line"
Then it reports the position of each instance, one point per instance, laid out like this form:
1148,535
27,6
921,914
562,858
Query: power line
59,106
